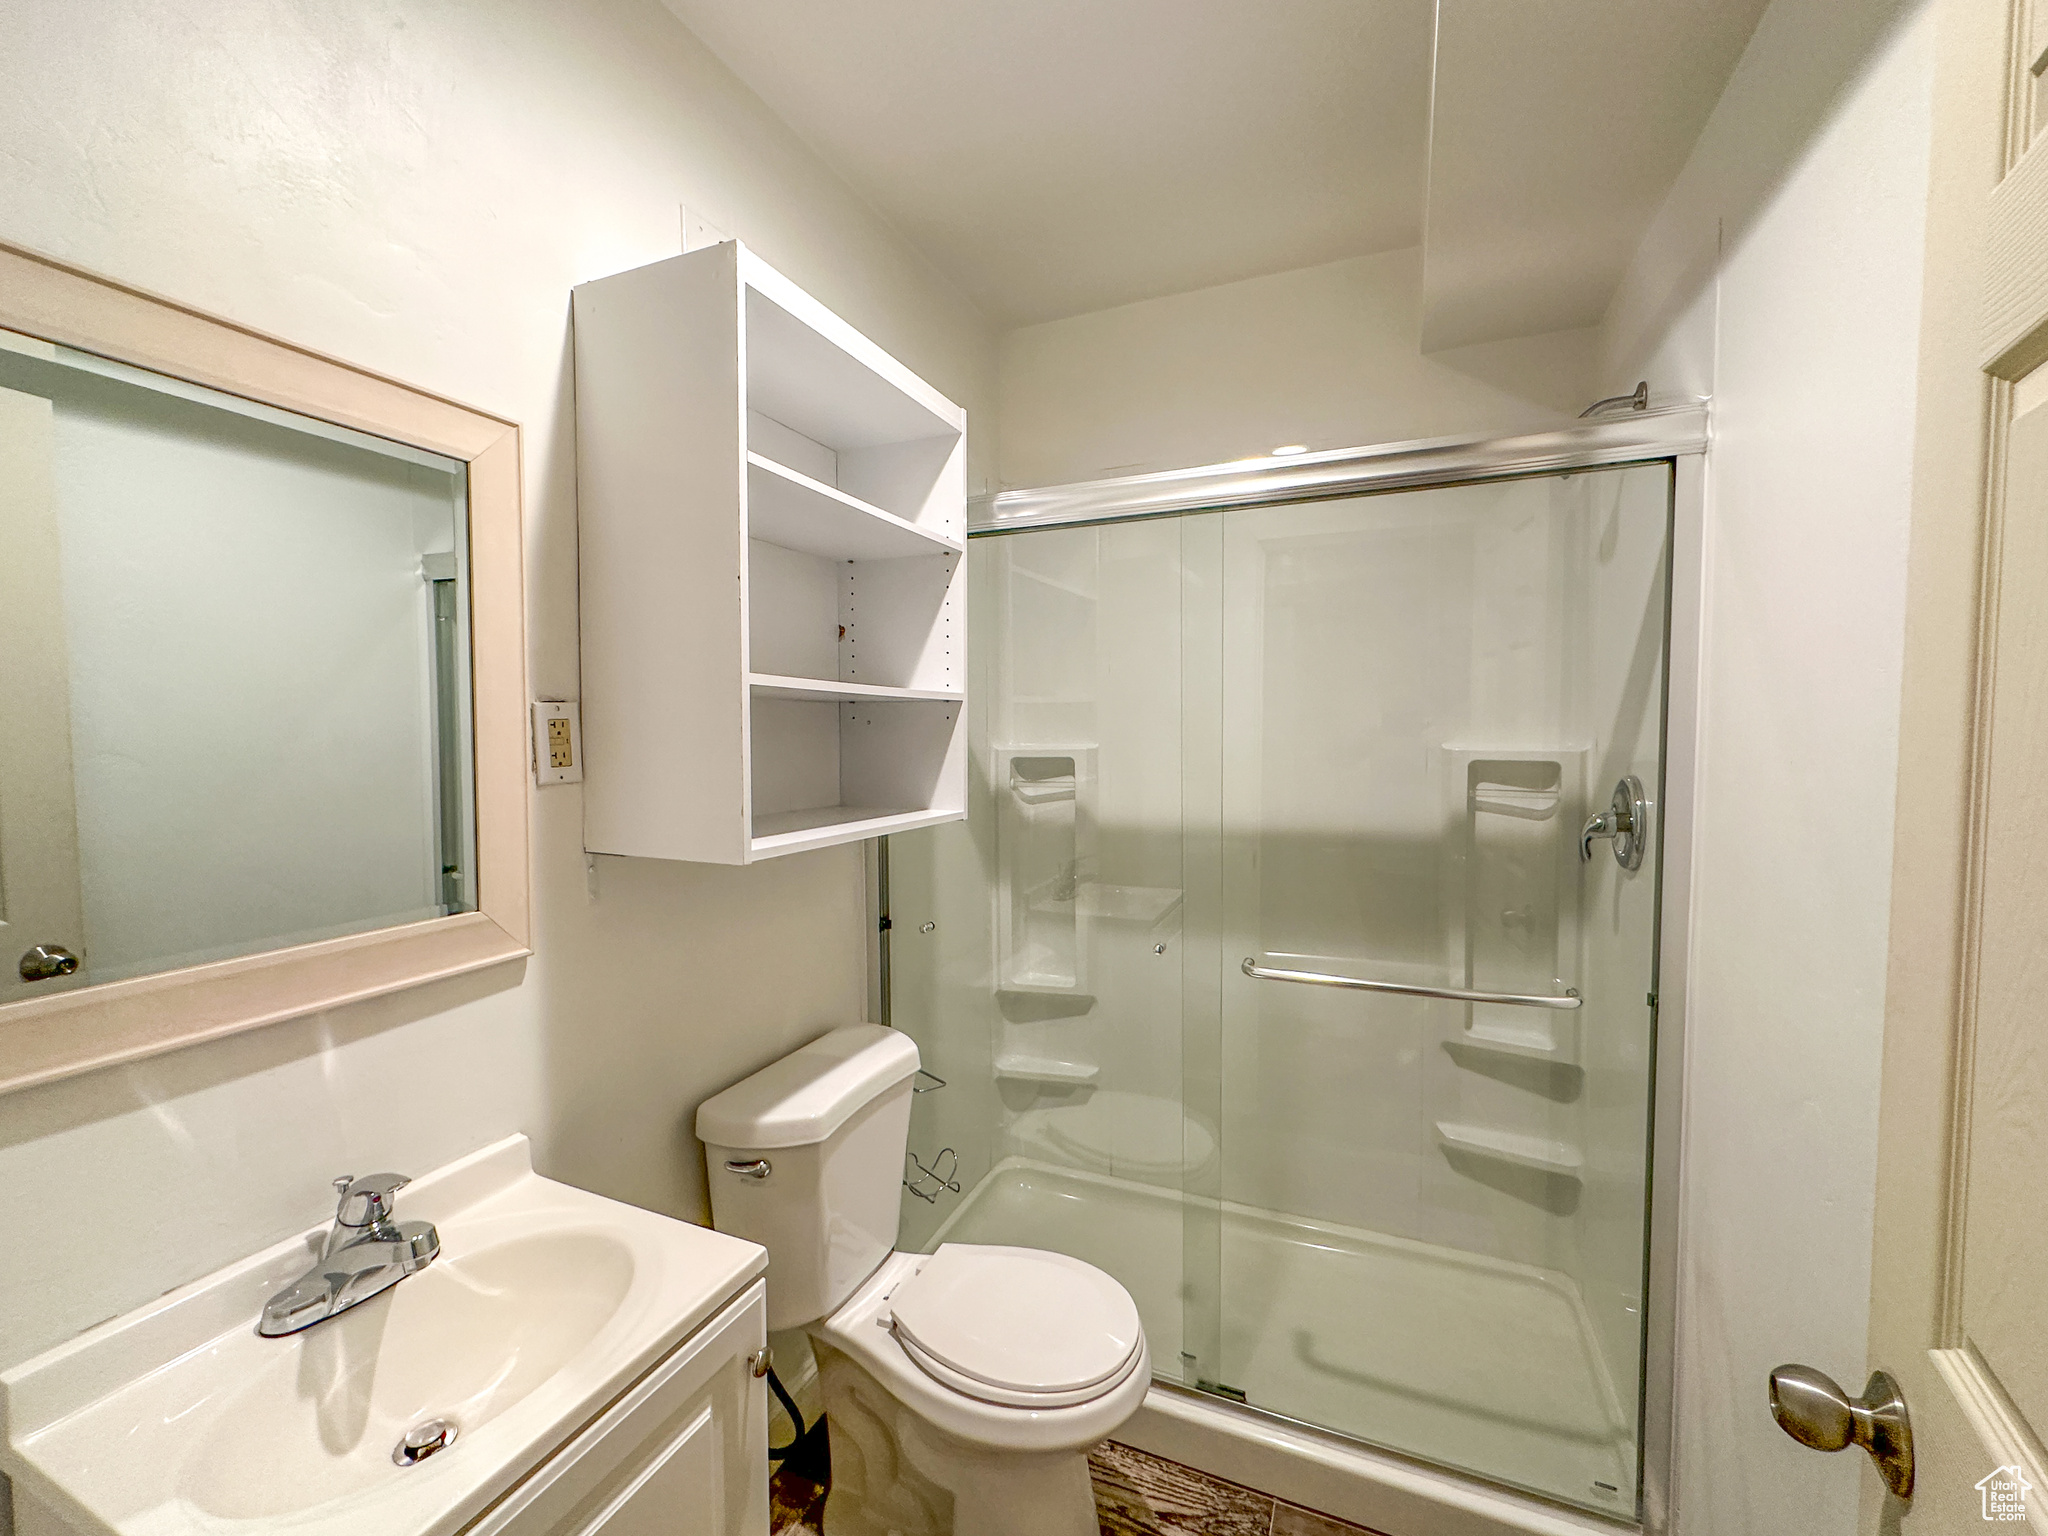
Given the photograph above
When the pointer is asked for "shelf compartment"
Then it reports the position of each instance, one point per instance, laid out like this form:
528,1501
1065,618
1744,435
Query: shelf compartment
766,685
883,624
1019,1067
1538,1152
788,508
1553,1037
827,826
1045,852
813,372
825,770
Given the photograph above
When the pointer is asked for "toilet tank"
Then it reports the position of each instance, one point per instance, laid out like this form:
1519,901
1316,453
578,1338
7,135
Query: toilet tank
806,1158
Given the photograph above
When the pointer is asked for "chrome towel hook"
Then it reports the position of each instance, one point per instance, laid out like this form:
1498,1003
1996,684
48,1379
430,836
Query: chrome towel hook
1626,820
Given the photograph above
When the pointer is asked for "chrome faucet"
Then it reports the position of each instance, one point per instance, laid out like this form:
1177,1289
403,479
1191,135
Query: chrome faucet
365,1253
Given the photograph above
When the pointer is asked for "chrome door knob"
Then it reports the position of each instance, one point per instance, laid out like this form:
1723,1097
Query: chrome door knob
1814,1411
43,962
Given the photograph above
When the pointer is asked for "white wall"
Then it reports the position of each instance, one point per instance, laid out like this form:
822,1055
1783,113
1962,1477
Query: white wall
1783,277
415,189
1328,356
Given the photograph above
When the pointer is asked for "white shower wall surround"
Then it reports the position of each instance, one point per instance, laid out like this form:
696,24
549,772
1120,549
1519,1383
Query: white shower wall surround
1355,735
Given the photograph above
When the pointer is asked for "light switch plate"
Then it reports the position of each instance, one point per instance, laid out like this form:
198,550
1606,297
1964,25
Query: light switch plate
557,742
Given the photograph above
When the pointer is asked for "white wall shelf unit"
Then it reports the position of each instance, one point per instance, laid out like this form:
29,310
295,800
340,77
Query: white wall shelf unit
771,516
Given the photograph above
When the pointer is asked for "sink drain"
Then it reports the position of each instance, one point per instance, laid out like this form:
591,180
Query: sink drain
423,1440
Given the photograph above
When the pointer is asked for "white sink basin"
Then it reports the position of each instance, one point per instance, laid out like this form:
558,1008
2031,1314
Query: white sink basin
544,1304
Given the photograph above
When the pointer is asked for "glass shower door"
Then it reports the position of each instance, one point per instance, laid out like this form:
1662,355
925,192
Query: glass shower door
1356,738
1433,1209
1040,954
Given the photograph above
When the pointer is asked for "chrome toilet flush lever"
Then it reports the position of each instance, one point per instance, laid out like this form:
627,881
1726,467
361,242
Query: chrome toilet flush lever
365,1253
1626,820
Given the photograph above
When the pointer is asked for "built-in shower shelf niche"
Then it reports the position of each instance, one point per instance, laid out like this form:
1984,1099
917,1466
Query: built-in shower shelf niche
1539,1152
1045,857
1511,887
1544,1039
771,526
1016,1066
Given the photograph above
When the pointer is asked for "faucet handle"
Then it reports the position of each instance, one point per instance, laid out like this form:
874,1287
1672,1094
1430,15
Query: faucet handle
366,1201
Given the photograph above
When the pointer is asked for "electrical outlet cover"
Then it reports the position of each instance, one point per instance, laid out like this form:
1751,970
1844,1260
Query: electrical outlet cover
557,742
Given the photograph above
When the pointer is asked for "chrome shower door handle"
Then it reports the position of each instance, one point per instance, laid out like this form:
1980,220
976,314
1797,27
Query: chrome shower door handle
1814,1411
1569,999
1626,820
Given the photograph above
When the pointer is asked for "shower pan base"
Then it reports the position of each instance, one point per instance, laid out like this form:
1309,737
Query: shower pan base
1450,1357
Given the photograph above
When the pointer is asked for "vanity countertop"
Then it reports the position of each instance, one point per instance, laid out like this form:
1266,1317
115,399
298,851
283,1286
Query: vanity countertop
545,1303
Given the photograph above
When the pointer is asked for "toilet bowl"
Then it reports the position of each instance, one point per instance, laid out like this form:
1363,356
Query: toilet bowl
920,1445
962,1388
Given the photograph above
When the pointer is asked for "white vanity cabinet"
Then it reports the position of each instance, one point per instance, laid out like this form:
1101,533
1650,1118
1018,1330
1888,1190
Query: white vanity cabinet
771,513
684,1452
595,1360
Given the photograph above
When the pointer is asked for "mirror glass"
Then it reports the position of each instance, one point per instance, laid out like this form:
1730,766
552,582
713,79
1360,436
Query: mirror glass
234,676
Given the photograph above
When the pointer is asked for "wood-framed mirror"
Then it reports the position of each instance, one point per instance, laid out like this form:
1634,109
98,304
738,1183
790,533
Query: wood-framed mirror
262,679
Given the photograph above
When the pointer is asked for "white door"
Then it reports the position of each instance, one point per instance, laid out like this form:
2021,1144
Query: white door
1959,1299
39,883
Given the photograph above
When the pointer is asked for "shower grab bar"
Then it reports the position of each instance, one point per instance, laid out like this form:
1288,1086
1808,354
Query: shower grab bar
1257,972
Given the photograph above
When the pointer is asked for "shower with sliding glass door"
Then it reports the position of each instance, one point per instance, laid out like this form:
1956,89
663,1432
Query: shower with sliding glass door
1298,962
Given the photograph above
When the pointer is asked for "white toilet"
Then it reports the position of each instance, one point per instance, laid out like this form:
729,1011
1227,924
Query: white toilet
962,1388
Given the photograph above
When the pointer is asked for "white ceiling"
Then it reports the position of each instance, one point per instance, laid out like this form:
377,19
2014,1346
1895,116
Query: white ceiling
1064,156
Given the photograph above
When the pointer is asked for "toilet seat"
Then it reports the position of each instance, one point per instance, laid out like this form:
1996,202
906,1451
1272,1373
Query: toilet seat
1004,1397
962,1407
1023,1327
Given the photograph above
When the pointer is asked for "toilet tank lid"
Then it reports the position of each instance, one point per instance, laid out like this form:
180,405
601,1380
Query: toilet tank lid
807,1095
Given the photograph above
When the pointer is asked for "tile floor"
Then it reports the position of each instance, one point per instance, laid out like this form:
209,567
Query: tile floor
1139,1494
1136,1494
796,1505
